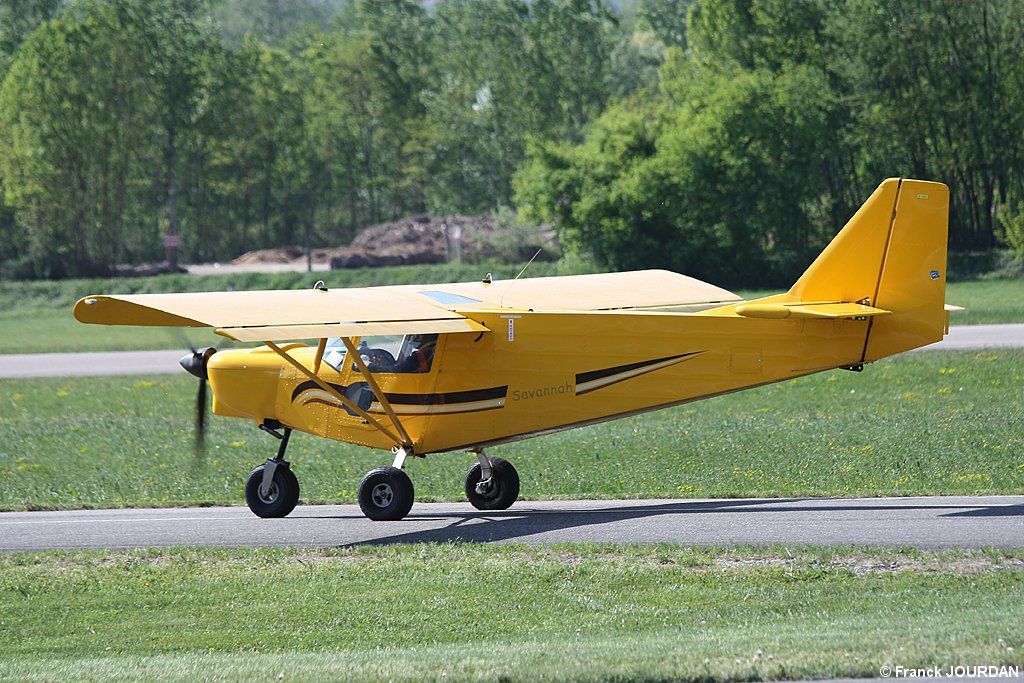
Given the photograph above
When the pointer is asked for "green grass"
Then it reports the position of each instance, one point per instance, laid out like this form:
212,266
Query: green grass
453,612
926,423
36,316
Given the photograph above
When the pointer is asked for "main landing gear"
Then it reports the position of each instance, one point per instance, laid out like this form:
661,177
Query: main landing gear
385,493
492,483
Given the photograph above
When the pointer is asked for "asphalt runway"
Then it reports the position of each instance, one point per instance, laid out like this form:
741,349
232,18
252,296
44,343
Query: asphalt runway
22,366
928,523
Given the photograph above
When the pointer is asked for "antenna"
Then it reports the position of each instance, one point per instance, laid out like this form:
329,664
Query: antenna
528,263
501,302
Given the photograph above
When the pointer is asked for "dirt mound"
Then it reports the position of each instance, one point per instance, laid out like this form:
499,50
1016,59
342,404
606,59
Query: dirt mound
423,239
282,255
145,269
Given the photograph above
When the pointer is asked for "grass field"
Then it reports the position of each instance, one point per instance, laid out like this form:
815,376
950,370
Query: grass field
36,316
926,423
453,612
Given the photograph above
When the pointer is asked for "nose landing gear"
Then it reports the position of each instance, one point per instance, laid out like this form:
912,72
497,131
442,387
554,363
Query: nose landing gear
272,489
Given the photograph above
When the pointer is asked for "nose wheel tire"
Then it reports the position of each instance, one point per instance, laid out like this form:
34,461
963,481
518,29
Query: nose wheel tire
279,500
497,494
385,494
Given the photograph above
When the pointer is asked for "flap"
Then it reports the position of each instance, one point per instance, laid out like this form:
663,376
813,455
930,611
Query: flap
800,310
368,329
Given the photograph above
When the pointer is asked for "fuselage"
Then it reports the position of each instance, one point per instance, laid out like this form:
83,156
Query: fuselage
537,372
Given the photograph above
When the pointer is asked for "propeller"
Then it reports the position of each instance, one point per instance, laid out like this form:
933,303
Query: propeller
195,363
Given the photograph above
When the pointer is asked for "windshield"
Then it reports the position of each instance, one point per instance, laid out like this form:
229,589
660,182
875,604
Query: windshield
411,353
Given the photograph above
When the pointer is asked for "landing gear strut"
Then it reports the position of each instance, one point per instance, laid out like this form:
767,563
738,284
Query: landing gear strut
272,490
492,483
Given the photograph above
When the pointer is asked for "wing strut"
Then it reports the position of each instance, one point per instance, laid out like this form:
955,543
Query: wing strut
381,398
335,393
320,348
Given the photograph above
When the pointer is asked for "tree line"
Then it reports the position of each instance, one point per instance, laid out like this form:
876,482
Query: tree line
122,121
727,139
777,120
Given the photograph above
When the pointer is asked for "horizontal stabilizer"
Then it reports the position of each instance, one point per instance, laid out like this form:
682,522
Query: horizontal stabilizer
804,311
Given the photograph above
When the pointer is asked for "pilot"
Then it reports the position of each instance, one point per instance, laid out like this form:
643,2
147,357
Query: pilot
421,355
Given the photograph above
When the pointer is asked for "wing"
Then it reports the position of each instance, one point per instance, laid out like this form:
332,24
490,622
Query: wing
639,289
312,313
279,315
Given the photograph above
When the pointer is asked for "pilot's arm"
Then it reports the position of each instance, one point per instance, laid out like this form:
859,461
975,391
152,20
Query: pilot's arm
419,360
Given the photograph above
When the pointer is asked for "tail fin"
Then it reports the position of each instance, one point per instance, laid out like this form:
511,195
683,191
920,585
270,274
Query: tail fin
890,255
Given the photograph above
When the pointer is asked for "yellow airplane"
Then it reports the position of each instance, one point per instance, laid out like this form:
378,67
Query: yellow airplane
421,369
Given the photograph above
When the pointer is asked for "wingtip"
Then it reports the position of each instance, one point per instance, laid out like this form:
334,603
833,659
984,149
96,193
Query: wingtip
84,306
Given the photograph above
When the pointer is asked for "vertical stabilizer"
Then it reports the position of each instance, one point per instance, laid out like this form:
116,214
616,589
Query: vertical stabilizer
891,255
849,268
913,281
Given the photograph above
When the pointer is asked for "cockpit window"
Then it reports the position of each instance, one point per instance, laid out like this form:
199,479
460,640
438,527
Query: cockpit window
334,354
413,353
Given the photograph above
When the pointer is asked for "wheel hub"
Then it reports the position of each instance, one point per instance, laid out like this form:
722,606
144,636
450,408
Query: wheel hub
270,495
486,487
382,495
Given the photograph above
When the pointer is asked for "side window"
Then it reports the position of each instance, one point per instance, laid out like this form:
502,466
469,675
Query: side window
413,353
417,354
334,354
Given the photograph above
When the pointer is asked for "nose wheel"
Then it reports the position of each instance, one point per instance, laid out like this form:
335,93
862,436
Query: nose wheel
276,499
272,490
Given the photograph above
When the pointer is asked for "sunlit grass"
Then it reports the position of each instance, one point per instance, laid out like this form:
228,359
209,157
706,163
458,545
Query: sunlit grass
458,612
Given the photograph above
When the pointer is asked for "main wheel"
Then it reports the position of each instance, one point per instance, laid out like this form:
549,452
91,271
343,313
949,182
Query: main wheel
497,494
279,500
385,494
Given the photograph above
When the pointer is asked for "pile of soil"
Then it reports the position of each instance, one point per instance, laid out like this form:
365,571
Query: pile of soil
145,269
423,239
282,255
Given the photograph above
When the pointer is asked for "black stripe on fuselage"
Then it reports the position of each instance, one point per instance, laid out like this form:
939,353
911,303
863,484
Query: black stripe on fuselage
310,384
585,377
447,398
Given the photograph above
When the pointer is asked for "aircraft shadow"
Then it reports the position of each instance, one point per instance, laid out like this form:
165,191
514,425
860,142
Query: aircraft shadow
491,527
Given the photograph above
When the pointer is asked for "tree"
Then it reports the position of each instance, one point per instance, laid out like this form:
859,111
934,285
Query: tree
716,188
72,143
940,82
